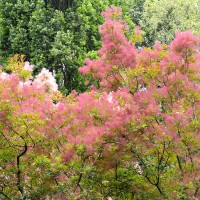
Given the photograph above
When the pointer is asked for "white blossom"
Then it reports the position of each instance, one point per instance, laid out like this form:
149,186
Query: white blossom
28,67
46,79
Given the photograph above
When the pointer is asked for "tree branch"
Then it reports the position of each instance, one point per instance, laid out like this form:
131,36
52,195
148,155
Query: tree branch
20,188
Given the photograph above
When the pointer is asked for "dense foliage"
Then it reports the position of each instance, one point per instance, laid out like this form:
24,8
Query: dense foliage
160,19
55,34
59,34
27,154
134,135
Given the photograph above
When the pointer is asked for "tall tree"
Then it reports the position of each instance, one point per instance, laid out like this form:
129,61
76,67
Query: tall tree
161,19
43,26
14,31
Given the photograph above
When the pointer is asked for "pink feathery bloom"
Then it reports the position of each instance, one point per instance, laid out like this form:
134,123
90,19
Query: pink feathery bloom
110,97
68,155
112,12
4,76
45,79
22,84
184,41
28,67
137,30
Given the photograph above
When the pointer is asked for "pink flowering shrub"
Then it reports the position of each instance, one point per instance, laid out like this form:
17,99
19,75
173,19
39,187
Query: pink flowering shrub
26,110
28,67
137,136
145,113
116,53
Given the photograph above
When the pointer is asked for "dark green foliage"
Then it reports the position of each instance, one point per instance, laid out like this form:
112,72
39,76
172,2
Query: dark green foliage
14,33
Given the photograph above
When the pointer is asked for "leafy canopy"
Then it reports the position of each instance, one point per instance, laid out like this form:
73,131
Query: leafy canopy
134,135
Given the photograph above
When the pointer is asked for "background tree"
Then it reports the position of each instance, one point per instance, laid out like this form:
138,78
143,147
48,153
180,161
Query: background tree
15,16
43,26
161,19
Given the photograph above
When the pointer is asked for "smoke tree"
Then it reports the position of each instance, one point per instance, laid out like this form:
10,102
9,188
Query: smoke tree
133,135
136,134
27,157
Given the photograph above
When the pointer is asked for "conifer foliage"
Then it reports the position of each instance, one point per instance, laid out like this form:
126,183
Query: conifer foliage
134,135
